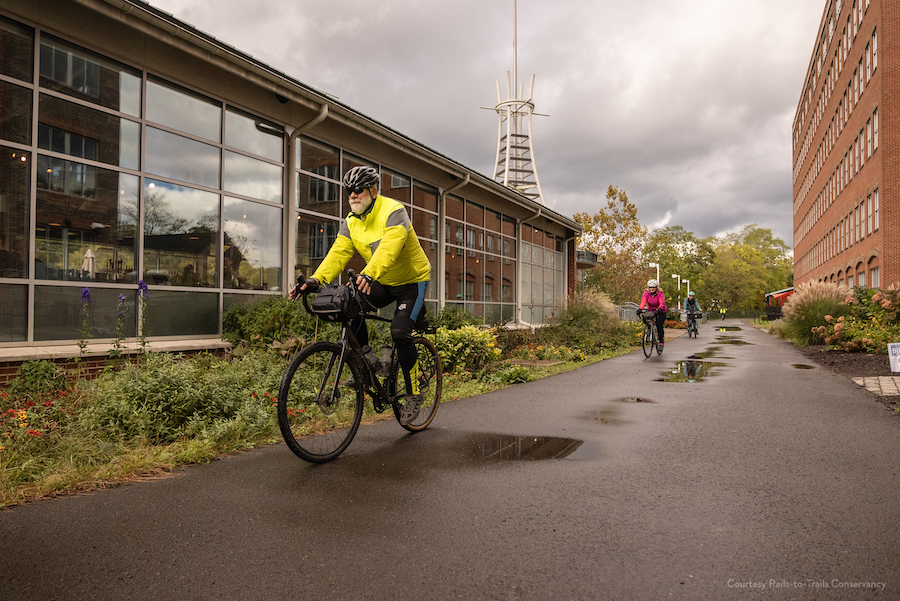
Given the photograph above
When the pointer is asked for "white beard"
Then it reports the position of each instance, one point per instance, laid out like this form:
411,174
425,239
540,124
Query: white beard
359,206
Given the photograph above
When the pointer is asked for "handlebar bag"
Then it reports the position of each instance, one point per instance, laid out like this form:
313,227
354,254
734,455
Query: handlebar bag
335,303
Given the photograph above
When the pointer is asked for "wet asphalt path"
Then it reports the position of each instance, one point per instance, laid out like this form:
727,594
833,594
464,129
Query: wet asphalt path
762,481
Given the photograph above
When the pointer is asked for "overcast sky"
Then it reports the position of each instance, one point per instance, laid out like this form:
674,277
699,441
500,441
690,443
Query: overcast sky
687,105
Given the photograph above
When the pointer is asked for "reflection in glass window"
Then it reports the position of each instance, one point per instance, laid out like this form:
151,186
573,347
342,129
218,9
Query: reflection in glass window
252,177
15,190
315,235
16,50
318,158
181,234
252,254
425,196
254,135
181,158
86,222
82,74
13,312
185,111
319,195
351,161
175,313
15,113
395,185
88,133
59,313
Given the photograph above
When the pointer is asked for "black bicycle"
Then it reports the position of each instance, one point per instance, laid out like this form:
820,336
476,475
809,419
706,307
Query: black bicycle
650,338
692,328
322,394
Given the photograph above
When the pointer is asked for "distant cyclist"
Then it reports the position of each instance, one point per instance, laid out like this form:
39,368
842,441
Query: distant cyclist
692,306
654,299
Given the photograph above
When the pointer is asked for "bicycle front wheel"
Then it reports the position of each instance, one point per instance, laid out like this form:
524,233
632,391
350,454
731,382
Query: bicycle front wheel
319,406
647,341
431,384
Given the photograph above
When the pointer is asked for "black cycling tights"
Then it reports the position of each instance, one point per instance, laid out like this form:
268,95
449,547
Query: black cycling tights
410,311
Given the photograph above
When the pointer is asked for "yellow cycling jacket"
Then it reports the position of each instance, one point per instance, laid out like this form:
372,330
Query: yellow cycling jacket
385,239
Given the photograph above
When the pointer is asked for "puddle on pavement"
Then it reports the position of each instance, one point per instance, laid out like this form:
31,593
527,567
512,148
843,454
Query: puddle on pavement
609,417
692,371
731,340
633,399
727,329
502,447
801,366
712,352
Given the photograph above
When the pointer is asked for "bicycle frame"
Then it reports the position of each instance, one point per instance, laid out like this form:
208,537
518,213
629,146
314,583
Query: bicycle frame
376,388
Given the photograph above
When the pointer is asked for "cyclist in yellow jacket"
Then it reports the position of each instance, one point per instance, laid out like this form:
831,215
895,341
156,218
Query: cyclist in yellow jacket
397,269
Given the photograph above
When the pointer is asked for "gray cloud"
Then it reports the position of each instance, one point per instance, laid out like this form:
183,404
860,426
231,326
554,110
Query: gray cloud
686,105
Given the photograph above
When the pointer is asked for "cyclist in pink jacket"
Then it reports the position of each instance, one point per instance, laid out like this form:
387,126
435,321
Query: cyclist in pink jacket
654,299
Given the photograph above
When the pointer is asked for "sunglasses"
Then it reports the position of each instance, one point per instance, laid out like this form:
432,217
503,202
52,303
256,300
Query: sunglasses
356,190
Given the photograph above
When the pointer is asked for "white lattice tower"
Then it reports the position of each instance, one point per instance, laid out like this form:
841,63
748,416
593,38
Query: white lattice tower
514,166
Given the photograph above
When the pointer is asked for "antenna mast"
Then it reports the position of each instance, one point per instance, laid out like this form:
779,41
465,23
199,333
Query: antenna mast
515,166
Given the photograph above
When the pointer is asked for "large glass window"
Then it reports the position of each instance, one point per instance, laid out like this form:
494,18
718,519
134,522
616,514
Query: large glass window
252,254
61,314
16,50
77,72
251,177
253,135
181,234
185,111
175,313
15,113
320,192
82,132
86,222
315,235
396,186
13,313
181,158
319,195
15,203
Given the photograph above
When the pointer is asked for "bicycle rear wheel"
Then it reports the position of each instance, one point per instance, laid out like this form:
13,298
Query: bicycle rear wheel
647,340
317,412
431,384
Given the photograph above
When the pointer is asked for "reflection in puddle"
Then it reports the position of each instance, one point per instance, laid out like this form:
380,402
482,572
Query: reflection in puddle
801,366
727,329
500,447
731,340
634,399
692,371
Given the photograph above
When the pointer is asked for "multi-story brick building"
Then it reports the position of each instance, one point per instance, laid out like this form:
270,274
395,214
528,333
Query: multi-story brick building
845,176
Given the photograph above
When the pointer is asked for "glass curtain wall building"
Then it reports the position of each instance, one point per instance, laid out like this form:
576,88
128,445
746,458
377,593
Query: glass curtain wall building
114,174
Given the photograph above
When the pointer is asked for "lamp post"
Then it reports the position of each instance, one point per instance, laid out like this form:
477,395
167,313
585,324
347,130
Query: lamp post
657,269
688,282
678,277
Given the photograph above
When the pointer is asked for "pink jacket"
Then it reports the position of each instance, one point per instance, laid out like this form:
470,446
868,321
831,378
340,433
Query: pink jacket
654,301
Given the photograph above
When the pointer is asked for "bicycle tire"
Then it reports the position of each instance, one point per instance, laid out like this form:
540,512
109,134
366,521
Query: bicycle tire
647,340
431,384
317,414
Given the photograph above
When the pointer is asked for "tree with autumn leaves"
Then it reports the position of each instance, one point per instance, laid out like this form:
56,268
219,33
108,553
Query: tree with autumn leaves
734,271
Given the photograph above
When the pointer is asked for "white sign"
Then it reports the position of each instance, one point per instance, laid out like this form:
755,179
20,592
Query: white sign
894,355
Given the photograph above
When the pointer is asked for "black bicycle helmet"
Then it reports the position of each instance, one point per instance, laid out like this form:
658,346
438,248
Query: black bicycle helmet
361,177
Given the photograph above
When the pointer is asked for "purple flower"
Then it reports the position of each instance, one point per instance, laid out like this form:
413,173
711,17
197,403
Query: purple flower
86,295
142,289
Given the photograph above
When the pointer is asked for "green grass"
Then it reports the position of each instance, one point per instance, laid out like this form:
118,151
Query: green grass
92,437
